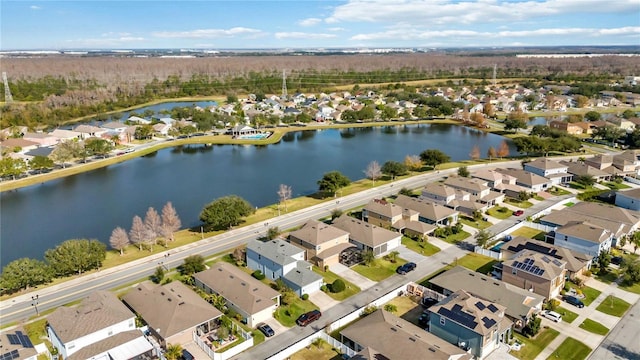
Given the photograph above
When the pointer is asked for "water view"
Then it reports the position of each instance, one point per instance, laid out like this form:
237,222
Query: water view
92,204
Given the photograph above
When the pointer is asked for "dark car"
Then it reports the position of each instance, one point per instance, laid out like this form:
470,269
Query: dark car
574,301
307,318
423,320
616,260
266,330
518,212
187,355
403,269
428,302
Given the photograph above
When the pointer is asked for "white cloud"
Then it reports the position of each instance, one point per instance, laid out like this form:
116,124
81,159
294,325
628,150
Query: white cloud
336,29
105,41
35,7
302,35
209,33
309,22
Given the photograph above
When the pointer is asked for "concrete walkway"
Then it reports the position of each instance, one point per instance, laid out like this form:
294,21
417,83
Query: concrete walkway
322,300
352,276
410,255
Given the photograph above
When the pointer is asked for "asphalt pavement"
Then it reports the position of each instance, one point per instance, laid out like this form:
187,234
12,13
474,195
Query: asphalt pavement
622,342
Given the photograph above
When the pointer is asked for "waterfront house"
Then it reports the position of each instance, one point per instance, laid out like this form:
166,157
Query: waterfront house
253,300
88,131
19,145
368,237
65,135
577,169
322,243
43,139
115,126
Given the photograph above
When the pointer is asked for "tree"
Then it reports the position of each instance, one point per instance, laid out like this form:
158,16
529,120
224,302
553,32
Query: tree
333,181
581,101
488,109
153,223
368,257
604,259
138,233
478,119
337,286
284,193
492,153
192,264
40,163
273,232
12,167
482,237
390,308
170,221
592,116
239,255
514,123
119,239
158,275
393,256
413,162
532,327
373,171
174,352
225,212
434,157
632,273
585,180
24,273
635,240
65,151
99,147
628,114
503,150
393,169
143,132
475,153
463,171
609,132
76,256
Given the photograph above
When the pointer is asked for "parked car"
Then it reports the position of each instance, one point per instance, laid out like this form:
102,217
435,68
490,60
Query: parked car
518,212
307,318
403,269
428,302
616,260
423,320
266,330
574,301
187,355
552,315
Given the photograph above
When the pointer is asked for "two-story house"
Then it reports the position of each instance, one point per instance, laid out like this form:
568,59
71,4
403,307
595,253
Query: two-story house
470,323
629,199
528,180
551,169
368,237
500,182
389,215
429,212
322,243
584,237
536,272
100,324
278,259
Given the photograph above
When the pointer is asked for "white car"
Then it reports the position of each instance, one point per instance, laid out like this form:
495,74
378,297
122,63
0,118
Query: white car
552,315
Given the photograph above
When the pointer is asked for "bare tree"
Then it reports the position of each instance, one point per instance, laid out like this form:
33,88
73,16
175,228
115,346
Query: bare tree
503,150
491,153
170,221
119,239
153,223
373,171
475,153
138,232
284,193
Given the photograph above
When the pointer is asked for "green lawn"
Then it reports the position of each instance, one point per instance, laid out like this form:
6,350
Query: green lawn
320,351
575,185
472,261
499,212
571,349
590,294
635,288
527,232
456,238
613,306
379,270
533,347
594,327
609,277
556,191
478,224
403,304
567,315
36,331
615,186
423,247
569,204
329,277
518,203
287,314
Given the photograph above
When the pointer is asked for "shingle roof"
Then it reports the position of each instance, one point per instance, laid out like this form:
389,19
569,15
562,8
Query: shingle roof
478,315
615,219
427,209
537,264
585,230
439,190
317,233
8,346
578,169
525,177
14,142
545,164
365,233
277,250
301,275
170,308
466,184
109,343
97,311
633,193
388,209
248,294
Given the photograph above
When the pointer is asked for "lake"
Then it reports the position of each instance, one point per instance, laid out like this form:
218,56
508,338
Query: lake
92,204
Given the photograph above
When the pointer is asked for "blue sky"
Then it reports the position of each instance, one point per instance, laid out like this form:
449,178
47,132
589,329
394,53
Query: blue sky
239,24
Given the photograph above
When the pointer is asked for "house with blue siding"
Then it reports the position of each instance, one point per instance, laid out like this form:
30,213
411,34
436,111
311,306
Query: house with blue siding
629,199
584,237
470,323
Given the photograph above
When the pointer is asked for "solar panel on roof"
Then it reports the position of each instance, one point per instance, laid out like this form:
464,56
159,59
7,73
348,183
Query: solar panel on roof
492,307
456,314
24,340
488,323
480,305
13,339
10,355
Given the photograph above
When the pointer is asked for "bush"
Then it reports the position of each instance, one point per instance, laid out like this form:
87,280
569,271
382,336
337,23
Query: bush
338,286
258,275
324,288
552,304
305,296
368,310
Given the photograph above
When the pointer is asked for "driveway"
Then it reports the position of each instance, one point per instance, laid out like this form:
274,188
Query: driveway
410,255
322,300
352,276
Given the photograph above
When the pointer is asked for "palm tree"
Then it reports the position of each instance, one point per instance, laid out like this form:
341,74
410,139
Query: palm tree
174,352
393,256
368,257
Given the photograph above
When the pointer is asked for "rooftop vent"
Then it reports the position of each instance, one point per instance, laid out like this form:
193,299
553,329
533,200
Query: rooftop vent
181,303
393,329
412,339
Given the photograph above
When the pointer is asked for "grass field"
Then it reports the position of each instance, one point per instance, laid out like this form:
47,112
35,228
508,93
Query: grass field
533,347
478,224
403,304
499,212
590,294
317,351
567,315
594,327
287,314
613,306
456,238
472,261
558,191
379,270
329,277
527,232
423,248
615,186
571,349
518,203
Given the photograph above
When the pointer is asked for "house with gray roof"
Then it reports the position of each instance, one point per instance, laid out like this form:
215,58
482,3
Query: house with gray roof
519,304
577,169
172,311
462,194
249,297
389,215
386,336
279,259
584,237
87,328
430,212
551,169
322,242
528,179
629,199
368,236
535,272
471,323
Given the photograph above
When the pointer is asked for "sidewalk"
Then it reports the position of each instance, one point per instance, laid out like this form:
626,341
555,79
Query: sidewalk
352,276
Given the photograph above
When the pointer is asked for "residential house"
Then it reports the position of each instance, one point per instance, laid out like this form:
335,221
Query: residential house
16,344
91,328
172,311
536,272
430,213
527,179
577,169
368,237
622,123
88,131
65,135
551,169
42,139
161,128
520,304
500,182
21,145
629,199
389,215
322,243
577,128
470,323
478,189
386,336
279,259
575,263
115,126
242,130
138,120
584,237
249,297
626,162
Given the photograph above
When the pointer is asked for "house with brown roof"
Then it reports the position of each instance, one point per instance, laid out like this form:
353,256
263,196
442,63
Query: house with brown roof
16,344
43,139
571,128
92,328
503,183
551,169
577,169
584,237
386,336
172,311
429,212
389,215
322,243
249,297
19,144
87,131
471,323
367,236
527,179
535,272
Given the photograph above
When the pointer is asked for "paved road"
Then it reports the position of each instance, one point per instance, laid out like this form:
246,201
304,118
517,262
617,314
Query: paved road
622,342
21,307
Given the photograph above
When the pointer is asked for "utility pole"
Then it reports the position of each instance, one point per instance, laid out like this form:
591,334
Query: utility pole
7,92
284,84
34,299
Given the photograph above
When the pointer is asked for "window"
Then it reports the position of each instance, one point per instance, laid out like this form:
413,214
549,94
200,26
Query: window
259,257
514,271
566,238
442,321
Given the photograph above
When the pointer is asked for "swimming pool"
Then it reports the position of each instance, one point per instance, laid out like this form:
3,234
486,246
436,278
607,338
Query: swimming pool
255,136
